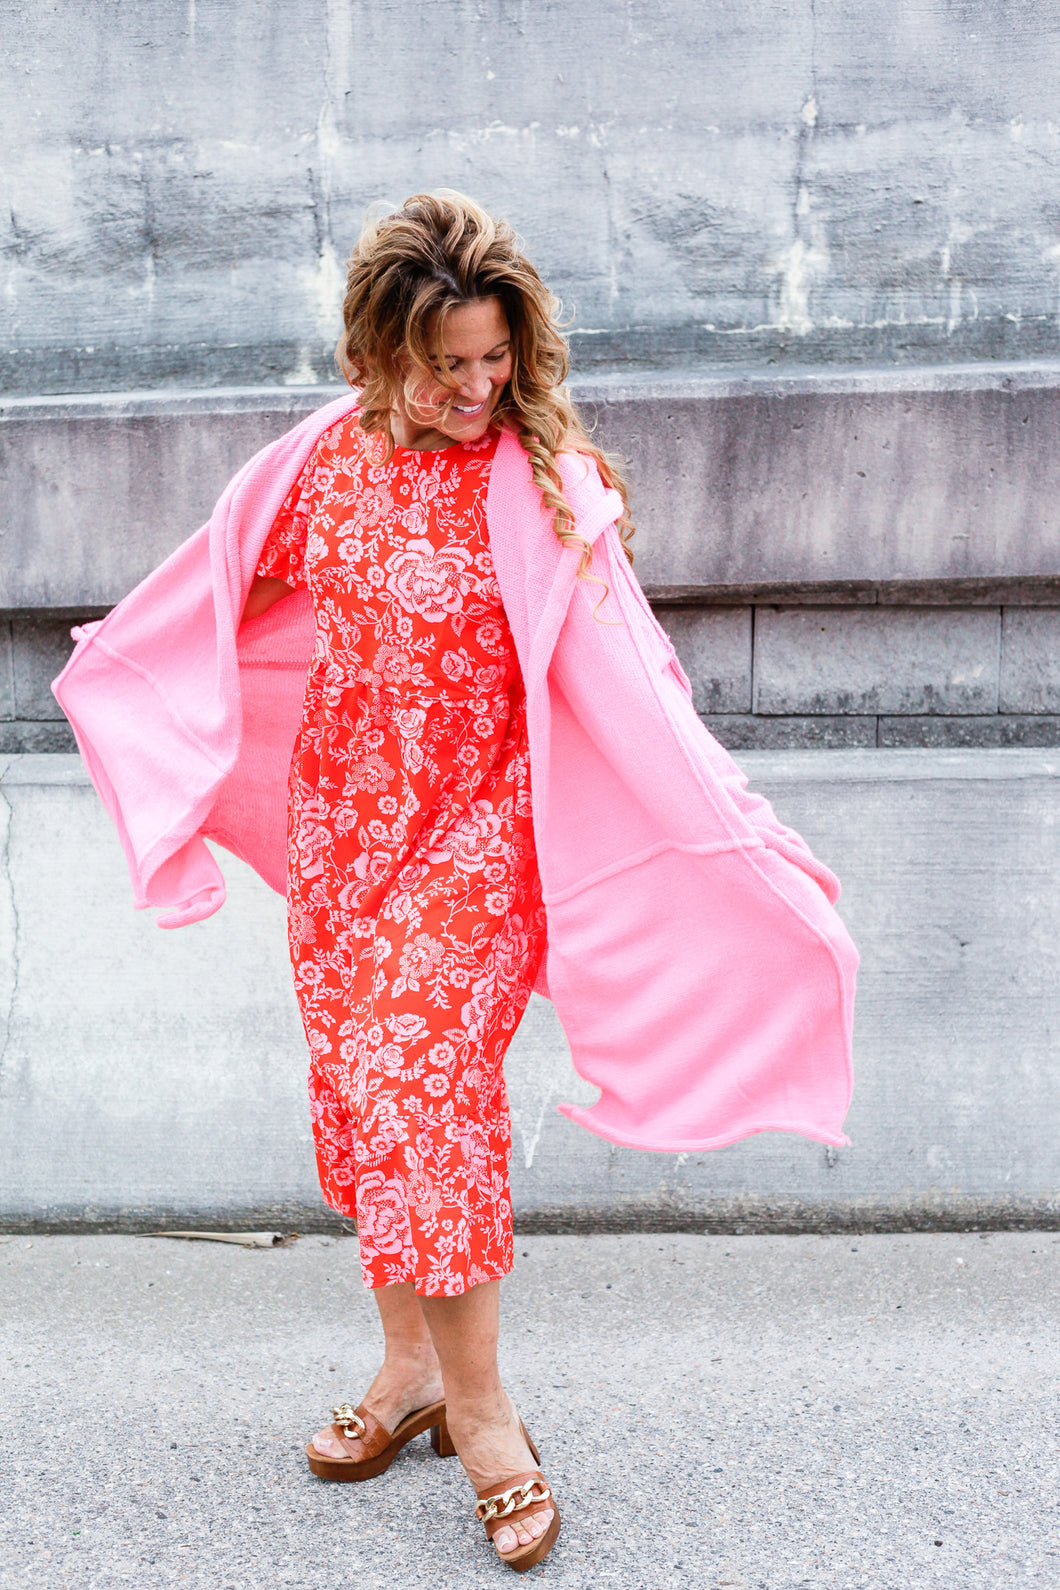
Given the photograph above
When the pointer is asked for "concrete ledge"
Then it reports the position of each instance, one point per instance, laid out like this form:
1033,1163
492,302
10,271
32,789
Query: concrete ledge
147,1075
859,478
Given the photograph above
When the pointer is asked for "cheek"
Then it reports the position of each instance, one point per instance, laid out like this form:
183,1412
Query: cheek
429,397
502,374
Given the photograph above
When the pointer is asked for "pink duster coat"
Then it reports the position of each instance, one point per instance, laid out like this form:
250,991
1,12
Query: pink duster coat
702,976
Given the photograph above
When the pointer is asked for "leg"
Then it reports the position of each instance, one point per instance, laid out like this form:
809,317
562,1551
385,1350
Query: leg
482,1420
410,1377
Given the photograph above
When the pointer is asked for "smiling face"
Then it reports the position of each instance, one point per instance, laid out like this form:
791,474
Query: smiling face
478,351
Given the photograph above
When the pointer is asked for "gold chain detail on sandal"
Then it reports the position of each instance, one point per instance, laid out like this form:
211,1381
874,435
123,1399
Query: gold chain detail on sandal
487,1508
347,1417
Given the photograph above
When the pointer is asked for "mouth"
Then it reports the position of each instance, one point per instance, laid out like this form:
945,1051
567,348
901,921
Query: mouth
469,413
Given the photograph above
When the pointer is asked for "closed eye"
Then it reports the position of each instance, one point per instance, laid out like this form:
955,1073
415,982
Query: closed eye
494,356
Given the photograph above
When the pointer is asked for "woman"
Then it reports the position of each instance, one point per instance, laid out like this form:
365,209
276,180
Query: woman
414,902
458,545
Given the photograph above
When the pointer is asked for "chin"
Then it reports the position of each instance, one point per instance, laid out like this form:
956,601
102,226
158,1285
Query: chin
469,430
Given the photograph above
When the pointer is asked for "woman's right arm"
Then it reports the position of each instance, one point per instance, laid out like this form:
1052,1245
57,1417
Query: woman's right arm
265,592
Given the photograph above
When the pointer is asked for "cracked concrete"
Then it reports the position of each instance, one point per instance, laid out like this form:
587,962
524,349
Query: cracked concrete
159,1078
9,927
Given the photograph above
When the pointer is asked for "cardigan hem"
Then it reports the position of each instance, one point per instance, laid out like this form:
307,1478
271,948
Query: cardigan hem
583,1116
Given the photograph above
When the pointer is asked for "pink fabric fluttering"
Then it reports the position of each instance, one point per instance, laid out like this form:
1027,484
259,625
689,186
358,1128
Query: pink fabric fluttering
701,973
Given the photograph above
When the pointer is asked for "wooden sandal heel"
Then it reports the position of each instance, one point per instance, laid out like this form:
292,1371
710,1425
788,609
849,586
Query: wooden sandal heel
441,1440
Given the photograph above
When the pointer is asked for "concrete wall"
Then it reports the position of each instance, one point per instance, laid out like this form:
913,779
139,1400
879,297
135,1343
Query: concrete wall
153,1077
841,559
859,557
807,180
846,482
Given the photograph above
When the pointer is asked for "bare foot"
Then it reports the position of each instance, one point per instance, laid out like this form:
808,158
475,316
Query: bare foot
490,1445
400,1387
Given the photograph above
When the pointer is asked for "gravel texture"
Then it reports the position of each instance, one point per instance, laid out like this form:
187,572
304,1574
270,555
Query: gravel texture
774,1412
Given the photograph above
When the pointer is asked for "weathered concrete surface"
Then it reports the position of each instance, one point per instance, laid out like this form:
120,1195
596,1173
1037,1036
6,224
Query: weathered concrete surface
876,659
846,479
716,650
7,673
150,1075
813,180
756,1413
1003,729
1030,660
746,731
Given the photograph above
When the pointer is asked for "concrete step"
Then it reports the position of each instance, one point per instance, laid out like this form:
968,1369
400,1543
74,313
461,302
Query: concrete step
153,1077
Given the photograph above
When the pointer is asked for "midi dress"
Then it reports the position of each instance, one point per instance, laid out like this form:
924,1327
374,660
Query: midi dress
415,920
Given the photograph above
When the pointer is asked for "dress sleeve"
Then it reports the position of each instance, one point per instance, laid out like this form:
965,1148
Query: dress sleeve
283,555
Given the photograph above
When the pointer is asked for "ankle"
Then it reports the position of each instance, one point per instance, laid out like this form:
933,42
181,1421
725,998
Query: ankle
491,1413
411,1361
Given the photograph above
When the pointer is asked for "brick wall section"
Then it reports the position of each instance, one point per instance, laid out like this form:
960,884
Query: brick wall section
764,675
829,676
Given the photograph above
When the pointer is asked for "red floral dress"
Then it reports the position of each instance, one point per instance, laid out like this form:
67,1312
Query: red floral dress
414,904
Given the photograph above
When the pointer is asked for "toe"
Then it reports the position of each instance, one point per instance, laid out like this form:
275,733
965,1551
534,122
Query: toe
328,1444
539,1522
505,1539
529,1528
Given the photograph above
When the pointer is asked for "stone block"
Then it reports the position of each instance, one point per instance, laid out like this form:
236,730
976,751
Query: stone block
7,674
41,645
18,736
876,476
748,732
72,472
999,729
178,214
1030,659
876,660
714,648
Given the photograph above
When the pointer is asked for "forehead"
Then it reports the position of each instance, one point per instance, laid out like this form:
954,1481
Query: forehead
470,330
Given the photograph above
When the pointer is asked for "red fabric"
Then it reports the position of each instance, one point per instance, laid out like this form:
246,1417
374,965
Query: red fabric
413,898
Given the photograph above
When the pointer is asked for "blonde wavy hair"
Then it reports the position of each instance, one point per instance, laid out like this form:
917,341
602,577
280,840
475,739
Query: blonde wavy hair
408,269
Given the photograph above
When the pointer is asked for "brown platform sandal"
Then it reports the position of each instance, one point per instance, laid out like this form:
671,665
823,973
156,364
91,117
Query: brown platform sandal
512,1499
379,1445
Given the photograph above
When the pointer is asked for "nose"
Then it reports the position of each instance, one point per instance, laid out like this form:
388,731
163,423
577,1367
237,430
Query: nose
475,387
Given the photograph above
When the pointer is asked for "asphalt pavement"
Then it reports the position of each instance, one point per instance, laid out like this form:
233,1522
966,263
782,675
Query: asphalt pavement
767,1412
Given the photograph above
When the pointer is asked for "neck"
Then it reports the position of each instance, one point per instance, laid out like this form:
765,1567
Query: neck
424,438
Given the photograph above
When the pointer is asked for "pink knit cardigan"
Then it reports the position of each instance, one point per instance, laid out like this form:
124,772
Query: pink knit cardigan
701,974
